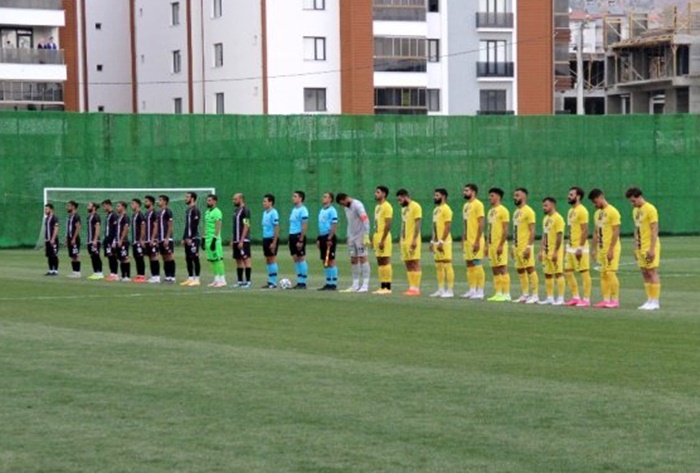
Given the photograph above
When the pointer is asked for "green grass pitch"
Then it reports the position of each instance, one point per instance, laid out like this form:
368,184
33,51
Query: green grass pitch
116,377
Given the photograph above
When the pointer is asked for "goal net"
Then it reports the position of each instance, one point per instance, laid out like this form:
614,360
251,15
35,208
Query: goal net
60,196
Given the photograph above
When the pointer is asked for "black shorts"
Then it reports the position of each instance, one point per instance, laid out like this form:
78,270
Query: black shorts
166,247
243,253
295,250
268,251
73,250
327,249
192,250
138,250
151,250
93,249
123,251
51,249
109,249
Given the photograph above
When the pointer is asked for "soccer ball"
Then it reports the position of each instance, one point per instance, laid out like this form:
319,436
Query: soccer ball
285,284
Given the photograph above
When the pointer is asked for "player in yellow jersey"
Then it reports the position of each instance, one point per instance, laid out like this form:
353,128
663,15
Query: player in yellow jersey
411,218
647,249
441,245
474,243
552,252
497,245
523,250
577,251
381,241
607,248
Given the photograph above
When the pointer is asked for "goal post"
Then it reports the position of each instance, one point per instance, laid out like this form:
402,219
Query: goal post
60,196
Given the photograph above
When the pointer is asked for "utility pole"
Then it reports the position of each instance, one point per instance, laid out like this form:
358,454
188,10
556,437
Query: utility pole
580,109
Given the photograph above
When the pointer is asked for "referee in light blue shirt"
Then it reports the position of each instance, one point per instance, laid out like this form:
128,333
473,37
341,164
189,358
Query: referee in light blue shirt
327,241
298,226
271,235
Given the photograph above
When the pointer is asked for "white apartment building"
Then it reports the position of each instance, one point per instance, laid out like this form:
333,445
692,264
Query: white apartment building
437,57
32,65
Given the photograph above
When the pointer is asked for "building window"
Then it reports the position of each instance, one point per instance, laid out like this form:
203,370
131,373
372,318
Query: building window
400,10
314,4
399,54
314,100
402,101
494,59
314,49
433,100
218,8
177,105
99,68
492,102
433,6
100,108
433,50
175,13
220,103
218,55
98,26
177,62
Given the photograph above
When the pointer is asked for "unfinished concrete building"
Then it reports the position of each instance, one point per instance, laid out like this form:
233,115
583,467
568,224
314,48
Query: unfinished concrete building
655,70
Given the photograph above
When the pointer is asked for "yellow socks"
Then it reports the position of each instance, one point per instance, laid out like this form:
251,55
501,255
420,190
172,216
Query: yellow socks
450,276
471,277
505,283
655,291
535,284
605,285
586,278
480,277
497,285
549,287
524,282
561,286
573,285
385,274
440,270
414,279
614,286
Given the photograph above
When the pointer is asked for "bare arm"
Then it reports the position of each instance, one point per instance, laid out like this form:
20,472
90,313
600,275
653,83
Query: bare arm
613,241
142,231
387,227
124,234
78,226
504,237
54,234
169,231
446,233
98,231
584,235
334,229
304,229
416,233
276,237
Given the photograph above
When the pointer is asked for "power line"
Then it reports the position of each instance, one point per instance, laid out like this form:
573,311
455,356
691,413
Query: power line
303,74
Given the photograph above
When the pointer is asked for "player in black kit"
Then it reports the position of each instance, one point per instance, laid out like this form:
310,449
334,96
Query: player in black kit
51,239
191,240
94,225
150,243
164,237
73,237
122,241
138,234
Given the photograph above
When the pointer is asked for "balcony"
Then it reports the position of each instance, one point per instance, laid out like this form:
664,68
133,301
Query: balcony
18,92
398,64
495,112
494,69
400,12
31,56
494,20
33,4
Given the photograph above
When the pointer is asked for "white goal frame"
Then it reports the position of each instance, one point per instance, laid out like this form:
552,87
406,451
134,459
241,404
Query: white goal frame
136,191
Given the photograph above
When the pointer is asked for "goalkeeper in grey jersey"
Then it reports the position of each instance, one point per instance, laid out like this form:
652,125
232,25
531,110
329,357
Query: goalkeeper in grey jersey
358,241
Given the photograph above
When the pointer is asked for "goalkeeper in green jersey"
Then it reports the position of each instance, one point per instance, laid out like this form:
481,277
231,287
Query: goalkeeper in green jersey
212,241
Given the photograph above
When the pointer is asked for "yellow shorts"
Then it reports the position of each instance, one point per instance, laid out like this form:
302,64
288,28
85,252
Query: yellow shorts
613,265
407,254
574,264
445,254
551,268
386,252
642,258
469,254
521,262
496,260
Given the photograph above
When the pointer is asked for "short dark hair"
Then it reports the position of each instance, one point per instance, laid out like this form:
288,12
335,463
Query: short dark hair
442,191
579,191
634,192
331,195
150,198
106,202
498,191
213,197
193,195
340,197
49,206
522,189
402,193
384,189
137,202
123,204
595,193
550,199
73,203
270,198
301,194
164,197
473,187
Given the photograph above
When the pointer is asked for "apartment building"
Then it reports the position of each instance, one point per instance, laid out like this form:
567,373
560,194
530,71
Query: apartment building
32,61
437,57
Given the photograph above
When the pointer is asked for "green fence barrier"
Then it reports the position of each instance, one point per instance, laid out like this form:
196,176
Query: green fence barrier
353,154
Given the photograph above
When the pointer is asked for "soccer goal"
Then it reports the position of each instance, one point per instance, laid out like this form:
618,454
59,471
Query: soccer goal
60,196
